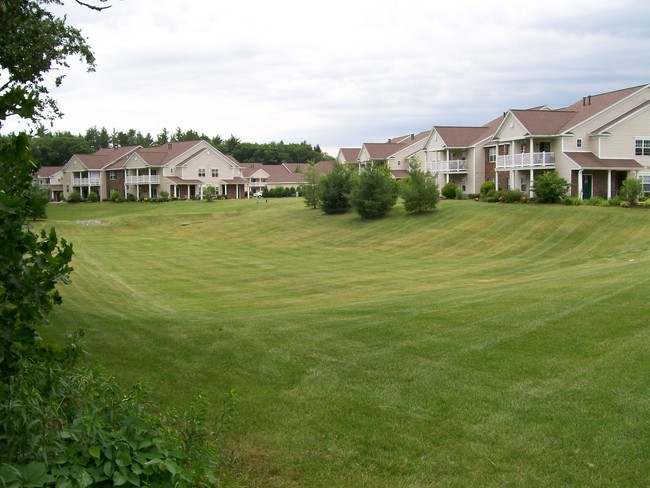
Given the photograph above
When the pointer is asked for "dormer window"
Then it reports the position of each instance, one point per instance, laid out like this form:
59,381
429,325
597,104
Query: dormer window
578,142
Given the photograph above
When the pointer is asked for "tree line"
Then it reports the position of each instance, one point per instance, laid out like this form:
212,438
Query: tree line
55,149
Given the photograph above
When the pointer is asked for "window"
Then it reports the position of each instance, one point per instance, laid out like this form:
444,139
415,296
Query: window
215,172
201,172
112,175
522,183
642,147
545,146
645,181
492,154
578,142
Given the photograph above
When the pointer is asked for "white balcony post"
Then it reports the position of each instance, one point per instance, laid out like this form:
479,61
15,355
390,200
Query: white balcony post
149,181
532,182
580,188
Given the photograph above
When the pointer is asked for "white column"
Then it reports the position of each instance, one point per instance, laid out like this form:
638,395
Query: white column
609,184
532,182
580,195
149,181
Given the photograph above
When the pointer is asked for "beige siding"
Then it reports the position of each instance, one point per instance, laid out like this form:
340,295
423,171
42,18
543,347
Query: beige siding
621,141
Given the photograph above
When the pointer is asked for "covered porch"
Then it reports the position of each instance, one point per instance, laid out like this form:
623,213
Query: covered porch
596,177
183,189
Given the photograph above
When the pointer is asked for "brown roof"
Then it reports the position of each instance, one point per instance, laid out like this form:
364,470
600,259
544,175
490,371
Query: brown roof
593,104
236,180
161,155
382,150
543,122
350,153
591,161
618,119
454,136
105,157
179,181
399,173
47,171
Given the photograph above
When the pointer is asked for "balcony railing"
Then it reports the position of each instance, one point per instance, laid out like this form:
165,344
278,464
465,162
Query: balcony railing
142,180
526,160
85,182
445,167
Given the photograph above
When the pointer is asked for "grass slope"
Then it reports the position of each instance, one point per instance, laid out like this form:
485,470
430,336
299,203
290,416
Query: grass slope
480,345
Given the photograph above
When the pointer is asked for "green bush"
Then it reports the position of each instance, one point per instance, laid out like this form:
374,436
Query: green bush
571,200
451,191
374,192
631,190
65,424
92,197
131,198
550,187
164,196
512,196
647,203
614,202
487,188
74,197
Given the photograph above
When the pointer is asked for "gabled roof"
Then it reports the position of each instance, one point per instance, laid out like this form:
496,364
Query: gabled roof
624,116
105,157
543,122
456,136
47,171
381,150
594,104
588,160
350,153
161,155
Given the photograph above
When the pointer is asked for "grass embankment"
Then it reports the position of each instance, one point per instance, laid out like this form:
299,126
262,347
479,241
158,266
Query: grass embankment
480,345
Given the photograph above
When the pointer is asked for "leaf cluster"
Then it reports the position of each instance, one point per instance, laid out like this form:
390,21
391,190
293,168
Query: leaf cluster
68,425
550,187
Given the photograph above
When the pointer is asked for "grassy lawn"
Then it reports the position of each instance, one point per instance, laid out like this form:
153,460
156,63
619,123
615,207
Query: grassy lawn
480,345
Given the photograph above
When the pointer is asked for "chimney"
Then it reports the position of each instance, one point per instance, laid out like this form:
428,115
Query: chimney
589,99
412,136
389,141
583,101
169,145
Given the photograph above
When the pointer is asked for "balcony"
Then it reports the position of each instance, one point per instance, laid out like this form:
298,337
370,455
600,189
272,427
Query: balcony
94,181
448,167
526,161
142,180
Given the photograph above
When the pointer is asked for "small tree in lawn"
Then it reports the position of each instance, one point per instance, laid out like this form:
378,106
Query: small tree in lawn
631,190
550,187
420,190
375,192
310,188
334,190
210,193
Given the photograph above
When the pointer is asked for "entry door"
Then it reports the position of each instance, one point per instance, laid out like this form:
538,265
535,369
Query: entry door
587,186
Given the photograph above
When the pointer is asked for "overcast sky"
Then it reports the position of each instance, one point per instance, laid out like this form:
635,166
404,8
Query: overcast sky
340,73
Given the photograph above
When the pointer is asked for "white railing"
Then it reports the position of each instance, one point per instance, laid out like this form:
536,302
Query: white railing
85,182
526,160
444,167
142,180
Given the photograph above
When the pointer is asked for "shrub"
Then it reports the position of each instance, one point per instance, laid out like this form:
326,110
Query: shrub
571,200
550,187
631,190
74,197
420,190
512,196
487,188
473,196
334,190
115,196
131,198
164,196
65,424
614,202
647,203
450,191
92,197
375,192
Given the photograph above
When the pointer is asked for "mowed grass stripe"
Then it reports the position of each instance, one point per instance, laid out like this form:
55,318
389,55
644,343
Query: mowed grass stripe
479,345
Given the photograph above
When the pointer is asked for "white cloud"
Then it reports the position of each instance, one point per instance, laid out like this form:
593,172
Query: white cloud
342,73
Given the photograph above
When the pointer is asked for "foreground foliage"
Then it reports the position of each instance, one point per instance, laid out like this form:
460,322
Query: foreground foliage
65,424
550,187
